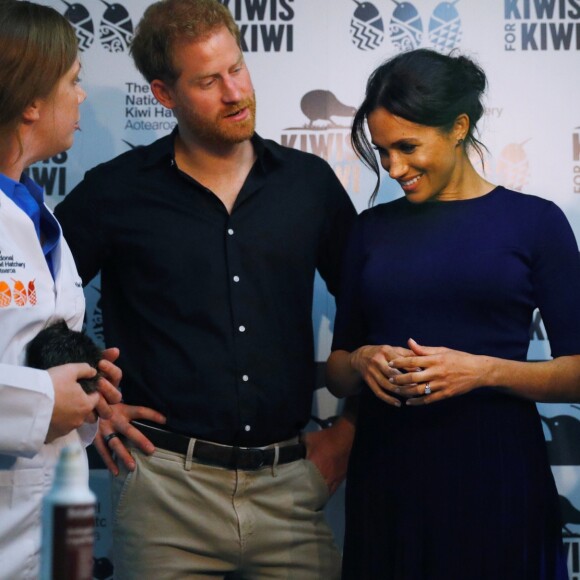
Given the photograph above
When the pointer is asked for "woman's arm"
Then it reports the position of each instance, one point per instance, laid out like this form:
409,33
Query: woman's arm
346,372
450,373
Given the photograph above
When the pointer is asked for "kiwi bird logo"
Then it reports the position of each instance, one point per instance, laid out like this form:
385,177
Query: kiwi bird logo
570,515
562,443
130,145
513,167
321,106
406,27
116,28
82,23
366,26
445,27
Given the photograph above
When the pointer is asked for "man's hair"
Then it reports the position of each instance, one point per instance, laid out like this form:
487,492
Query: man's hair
169,22
37,47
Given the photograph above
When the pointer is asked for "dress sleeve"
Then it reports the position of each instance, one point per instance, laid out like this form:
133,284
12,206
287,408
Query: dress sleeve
556,282
350,327
81,216
26,404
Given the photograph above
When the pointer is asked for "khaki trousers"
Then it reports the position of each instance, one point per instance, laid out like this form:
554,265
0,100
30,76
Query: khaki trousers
176,519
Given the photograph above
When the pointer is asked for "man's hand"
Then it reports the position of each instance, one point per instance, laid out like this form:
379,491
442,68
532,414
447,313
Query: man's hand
120,422
329,449
109,381
72,406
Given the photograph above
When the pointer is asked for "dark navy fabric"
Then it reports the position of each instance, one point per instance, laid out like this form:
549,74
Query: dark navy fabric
212,311
462,488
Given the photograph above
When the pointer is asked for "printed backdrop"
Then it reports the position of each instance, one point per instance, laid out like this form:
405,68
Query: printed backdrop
310,60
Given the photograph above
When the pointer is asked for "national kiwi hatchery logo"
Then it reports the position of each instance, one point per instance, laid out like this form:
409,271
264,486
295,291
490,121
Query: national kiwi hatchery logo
14,292
541,25
325,131
576,160
265,25
143,112
115,26
406,29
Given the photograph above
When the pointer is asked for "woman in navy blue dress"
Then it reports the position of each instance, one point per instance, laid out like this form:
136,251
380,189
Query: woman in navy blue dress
449,477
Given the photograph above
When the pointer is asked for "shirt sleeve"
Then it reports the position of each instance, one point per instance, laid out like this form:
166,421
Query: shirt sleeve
350,329
341,214
26,404
80,218
556,281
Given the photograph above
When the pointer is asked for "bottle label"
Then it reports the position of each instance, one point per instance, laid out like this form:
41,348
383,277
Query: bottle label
74,534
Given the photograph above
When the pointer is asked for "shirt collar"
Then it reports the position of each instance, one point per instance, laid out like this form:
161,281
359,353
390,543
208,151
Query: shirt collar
163,150
8,186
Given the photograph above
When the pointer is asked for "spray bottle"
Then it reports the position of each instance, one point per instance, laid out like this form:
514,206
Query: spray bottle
68,521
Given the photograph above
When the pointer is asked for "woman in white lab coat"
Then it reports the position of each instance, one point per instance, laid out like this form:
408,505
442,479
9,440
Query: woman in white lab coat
40,411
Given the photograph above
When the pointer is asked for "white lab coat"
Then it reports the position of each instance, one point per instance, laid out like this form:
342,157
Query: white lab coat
29,298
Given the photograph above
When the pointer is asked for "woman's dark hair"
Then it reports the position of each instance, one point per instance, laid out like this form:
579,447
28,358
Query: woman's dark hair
37,47
424,87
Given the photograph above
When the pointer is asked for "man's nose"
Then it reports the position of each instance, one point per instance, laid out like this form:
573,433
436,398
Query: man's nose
231,90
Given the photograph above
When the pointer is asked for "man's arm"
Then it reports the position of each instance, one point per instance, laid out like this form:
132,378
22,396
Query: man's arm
83,227
329,448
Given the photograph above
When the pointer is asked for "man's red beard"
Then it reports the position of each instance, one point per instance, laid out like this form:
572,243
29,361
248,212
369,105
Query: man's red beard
222,131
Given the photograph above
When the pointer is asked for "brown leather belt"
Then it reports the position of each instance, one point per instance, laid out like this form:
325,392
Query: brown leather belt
247,458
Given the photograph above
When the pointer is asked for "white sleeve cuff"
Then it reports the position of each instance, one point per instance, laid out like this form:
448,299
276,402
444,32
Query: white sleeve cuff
26,405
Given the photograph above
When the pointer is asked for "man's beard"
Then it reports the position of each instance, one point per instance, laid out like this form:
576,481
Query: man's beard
221,132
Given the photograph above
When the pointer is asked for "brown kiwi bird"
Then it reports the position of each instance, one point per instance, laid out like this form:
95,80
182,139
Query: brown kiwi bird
321,105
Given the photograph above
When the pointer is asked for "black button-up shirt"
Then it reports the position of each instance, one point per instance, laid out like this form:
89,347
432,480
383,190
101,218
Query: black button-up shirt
212,311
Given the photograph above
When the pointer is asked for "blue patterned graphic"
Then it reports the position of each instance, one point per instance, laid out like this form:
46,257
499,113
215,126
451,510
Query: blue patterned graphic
445,27
405,26
82,22
366,26
116,28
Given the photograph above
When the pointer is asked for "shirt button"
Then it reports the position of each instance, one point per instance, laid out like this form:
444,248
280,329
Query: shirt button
231,232
242,328
247,428
245,378
236,278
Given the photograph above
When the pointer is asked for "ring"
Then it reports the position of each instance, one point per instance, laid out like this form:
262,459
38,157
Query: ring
110,436
427,389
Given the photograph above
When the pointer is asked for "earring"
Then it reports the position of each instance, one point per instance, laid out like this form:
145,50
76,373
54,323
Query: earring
459,142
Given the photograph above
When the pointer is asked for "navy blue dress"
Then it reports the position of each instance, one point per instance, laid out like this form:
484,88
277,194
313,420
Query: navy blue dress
460,489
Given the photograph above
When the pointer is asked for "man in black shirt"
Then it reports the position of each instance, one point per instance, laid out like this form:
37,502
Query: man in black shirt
208,241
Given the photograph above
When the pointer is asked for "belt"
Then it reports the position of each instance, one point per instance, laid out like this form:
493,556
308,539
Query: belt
223,455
